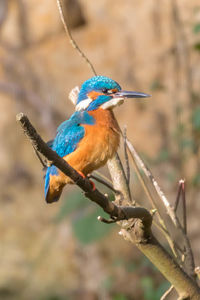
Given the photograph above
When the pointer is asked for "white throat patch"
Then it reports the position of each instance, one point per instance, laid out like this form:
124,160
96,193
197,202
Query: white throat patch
73,96
112,103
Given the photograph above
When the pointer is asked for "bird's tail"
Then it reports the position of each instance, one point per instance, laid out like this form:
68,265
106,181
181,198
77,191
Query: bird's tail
53,188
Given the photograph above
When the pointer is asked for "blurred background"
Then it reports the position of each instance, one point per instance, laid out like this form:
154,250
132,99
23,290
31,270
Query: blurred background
60,251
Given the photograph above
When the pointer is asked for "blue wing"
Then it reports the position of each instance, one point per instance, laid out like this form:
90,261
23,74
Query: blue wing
69,134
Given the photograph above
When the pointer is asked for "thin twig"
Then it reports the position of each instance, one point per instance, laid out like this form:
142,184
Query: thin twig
71,39
40,158
184,207
167,292
126,156
137,159
197,272
178,195
173,245
103,177
189,258
104,183
181,195
103,220
149,175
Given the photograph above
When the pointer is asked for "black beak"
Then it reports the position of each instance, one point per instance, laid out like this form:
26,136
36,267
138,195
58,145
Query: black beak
128,94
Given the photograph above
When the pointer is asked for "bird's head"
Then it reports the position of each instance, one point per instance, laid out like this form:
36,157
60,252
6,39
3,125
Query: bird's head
103,92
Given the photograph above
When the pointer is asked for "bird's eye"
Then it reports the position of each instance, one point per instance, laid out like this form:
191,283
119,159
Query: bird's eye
110,91
105,90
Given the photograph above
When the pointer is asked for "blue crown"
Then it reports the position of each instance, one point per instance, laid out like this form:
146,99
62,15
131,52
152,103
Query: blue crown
96,83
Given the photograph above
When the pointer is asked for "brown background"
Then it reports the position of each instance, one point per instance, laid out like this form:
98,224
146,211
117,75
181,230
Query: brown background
144,45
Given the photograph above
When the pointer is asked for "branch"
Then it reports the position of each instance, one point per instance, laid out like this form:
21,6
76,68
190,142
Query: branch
138,230
178,195
137,160
157,188
183,284
119,213
181,194
167,293
119,180
126,156
184,208
104,183
189,258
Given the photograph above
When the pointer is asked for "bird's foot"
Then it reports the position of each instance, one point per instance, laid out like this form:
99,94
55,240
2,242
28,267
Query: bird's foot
81,173
93,185
91,182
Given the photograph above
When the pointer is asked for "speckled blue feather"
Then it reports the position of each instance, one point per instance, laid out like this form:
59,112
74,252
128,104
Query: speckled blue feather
96,83
69,134
98,102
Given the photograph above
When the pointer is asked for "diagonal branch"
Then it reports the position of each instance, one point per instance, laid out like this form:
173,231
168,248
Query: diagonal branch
104,183
189,258
126,156
120,213
139,229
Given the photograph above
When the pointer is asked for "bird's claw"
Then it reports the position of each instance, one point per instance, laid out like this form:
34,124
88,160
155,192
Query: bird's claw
91,182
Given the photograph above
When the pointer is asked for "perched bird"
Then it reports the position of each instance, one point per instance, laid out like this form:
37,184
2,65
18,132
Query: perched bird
91,136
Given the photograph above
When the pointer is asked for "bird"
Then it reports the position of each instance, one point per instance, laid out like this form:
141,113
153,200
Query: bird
91,135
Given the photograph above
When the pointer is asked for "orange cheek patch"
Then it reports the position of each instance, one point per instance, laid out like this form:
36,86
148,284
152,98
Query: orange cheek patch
114,90
93,95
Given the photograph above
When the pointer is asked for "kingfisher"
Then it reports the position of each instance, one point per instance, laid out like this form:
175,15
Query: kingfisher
91,135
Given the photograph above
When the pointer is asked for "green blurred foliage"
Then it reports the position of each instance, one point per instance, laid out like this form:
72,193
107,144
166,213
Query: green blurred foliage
163,155
150,292
196,118
196,28
196,46
75,201
187,143
88,229
120,297
157,85
53,296
83,215
108,283
196,180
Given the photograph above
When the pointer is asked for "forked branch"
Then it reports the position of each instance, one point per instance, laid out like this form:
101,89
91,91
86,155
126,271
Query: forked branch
116,212
138,229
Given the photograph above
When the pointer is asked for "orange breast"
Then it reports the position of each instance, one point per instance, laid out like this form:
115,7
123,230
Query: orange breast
98,145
